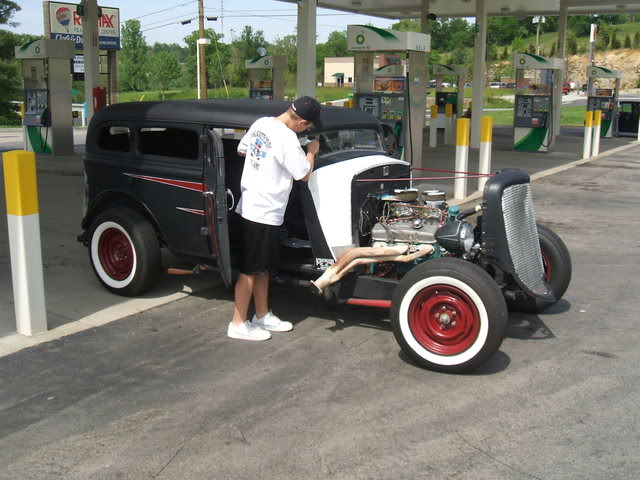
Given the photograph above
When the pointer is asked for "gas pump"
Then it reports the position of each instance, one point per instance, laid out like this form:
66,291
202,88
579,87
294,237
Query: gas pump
266,75
603,99
534,100
453,94
46,77
397,99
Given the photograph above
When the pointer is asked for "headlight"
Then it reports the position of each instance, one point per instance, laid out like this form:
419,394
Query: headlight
456,236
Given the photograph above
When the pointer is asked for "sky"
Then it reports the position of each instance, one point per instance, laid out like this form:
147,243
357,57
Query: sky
160,19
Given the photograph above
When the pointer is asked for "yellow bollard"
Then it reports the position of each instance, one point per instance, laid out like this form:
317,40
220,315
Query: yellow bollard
433,127
486,139
449,126
597,123
462,157
588,133
23,219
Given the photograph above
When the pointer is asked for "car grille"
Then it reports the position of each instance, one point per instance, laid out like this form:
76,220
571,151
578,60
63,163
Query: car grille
522,237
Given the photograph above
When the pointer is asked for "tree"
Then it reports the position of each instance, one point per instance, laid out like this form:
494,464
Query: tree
627,41
164,70
505,54
133,57
218,56
336,44
244,48
615,43
288,46
636,40
7,9
10,88
518,45
572,45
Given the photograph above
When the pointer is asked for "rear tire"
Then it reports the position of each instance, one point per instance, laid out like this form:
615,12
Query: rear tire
124,251
448,315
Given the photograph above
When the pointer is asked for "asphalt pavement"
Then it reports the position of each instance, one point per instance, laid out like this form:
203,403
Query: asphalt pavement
162,393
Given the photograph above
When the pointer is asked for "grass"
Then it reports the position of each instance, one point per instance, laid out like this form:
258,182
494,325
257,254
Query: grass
570,116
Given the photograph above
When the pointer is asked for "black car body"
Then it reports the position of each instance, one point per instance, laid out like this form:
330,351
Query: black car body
167,175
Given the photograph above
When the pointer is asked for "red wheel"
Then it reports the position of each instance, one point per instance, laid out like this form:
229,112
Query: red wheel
444,319
448,315
124,251
116,253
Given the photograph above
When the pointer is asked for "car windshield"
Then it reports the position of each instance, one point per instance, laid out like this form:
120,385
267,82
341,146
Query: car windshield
334,141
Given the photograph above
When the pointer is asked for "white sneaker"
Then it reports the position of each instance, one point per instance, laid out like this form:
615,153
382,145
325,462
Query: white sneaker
271,322
247,331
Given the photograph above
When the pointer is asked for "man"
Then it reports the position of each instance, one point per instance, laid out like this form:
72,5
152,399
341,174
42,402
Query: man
274,158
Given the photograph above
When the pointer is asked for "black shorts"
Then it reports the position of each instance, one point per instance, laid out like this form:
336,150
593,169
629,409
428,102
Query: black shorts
261,248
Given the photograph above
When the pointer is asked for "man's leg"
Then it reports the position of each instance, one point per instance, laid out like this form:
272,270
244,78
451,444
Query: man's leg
244,289
261,294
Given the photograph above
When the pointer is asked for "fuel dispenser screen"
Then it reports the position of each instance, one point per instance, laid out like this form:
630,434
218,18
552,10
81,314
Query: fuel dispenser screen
386,108
36,112
532,111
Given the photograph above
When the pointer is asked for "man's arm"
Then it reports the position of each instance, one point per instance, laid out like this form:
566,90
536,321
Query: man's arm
312,150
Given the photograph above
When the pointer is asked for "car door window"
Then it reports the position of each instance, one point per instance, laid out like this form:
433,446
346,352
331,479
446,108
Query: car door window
169,142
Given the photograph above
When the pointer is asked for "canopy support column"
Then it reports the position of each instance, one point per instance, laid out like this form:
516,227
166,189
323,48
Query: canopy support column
479,65
306,71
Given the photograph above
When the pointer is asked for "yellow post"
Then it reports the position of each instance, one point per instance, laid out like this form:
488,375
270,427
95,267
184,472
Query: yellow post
462,157
433,127
597,122
23,219
448,110
588,133
448,124
486,139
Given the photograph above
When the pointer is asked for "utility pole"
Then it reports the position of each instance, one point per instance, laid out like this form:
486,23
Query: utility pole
202,62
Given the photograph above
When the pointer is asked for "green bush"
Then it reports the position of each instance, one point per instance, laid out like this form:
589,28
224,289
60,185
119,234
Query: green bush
10,119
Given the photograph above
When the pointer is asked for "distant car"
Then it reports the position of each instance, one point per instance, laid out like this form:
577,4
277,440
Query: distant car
467,85
495,85
566,88
511,85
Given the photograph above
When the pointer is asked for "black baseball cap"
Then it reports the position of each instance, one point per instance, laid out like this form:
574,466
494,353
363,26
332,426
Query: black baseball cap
308,108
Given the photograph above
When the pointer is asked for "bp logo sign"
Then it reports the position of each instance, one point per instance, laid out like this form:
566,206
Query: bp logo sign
523,61
360,39
594,72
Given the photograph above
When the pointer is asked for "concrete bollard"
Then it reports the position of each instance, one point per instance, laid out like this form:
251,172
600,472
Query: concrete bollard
433,128
597,122
462,158
486,139
449,126
588,133
23,219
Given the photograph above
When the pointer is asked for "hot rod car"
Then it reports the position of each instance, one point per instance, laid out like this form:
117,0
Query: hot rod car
167,175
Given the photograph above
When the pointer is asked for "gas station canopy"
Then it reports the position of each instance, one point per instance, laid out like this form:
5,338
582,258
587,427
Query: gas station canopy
394,9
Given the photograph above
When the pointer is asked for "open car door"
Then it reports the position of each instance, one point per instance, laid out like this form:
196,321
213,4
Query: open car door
215,205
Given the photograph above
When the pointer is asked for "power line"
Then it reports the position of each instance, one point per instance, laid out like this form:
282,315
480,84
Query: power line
164,10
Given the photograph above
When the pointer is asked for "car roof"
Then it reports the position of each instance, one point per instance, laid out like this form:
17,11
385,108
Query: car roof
231,113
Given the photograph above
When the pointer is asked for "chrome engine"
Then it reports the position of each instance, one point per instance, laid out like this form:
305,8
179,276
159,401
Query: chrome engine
409,217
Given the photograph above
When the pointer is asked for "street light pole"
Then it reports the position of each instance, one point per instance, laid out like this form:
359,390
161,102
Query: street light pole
202,62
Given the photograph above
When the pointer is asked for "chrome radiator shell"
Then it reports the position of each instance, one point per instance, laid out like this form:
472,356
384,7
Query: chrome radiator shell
522,237
510,241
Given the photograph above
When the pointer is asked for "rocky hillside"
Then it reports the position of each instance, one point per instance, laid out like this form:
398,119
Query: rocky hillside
623,59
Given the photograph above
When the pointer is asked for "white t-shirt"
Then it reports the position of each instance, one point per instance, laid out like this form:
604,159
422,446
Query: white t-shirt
274,158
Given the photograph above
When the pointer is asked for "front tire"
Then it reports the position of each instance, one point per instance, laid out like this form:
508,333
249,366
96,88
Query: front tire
448,315
124,251
556,261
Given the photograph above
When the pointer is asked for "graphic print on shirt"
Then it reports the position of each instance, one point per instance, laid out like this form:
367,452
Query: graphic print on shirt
259,145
